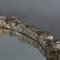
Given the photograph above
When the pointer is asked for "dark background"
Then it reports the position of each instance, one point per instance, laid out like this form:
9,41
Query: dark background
42,13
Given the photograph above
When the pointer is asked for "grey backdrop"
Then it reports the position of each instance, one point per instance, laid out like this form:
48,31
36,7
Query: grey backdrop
12,49
43,13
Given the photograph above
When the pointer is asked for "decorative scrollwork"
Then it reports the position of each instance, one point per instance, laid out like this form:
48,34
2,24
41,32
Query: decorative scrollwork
39,39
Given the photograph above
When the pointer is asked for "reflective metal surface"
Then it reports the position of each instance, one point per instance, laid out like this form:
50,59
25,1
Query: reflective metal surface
42,40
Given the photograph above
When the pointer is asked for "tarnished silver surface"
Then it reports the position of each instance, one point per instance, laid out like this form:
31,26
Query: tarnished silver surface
31,34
